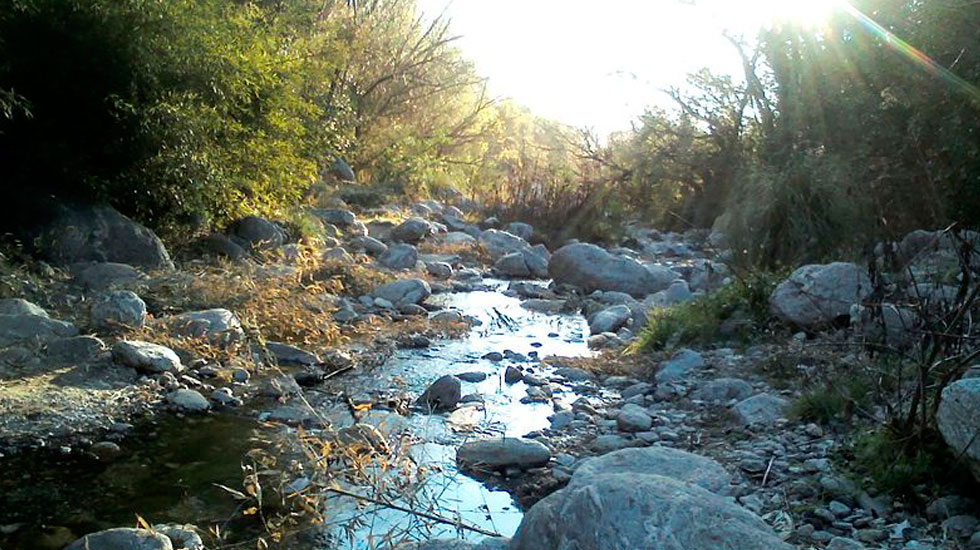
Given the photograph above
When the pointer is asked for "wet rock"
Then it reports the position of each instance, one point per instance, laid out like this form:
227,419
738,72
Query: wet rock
627,511
496,454
574,374
288,355
723,390
610,319
472,376
512,375
370,245
16,329
123,538
816,295
291,415
494,356
146,357
19,306
257,234
411,231
633,418
762,410
400,256
443,394
189,401
101,234
118,309
281,386
447,316
544,306
680,366
591,268
660,461
219,326
403,292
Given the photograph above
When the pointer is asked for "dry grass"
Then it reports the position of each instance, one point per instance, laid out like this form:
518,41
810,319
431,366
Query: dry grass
468,253
608,363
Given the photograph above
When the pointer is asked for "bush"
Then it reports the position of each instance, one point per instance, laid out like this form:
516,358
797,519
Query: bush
744,303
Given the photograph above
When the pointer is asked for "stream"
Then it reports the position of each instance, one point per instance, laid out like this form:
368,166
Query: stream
169,470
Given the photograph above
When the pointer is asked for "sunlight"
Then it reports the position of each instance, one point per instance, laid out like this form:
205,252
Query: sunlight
800,12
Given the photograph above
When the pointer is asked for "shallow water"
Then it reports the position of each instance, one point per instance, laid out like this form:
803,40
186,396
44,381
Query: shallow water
169,470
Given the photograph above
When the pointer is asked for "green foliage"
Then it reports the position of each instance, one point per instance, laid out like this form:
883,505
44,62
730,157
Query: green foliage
742,305
901,466
834,401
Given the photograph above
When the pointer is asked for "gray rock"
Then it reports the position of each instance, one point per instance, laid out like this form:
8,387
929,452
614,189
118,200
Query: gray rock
189,401
512,375
257,234
76,349
816,295
476,376
404,292
762,409
447,316
122,538
118,309
574,374
146,357
443,394
959,420
337,254
723,390
633,418
288,355
520,229
101,234
660,461
400,256
500,243
591,268
610,319
458,238
106,275
19,306
491,543
441,270
220,245
411,230
680,366
495,454
183,537
18,329
840,543
219,326
370,245
335,216
626,512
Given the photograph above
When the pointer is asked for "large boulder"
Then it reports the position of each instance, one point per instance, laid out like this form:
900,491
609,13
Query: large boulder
626,511
523,263
20,306
500,243
123,538
411,230
661,461
404,292
959,420
101,234
816,295
443,394
500,453
257,234
146,357
19,329
591,268
610,319
118,309
400,256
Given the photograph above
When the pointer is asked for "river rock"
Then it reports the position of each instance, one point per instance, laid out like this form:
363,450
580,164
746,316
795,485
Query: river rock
441,270
118,309
633,418
189,401
146,357
458,238
723,390
106,275
500,243
501,453
513,375
591,268
101,234
335,216
288,355
370,245
400,256
959,420
75,349
15,329
443,394
256,234
627,512
520,229
574,374
490,543
218,325
20,306
123,538
411,230
680,366
660,461
610,319
523,263
404,292
816,295
183,537
761,410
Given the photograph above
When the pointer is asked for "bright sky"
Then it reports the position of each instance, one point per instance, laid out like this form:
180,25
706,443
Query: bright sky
599,64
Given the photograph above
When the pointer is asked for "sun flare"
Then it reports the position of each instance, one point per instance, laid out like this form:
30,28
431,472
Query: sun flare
802,12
